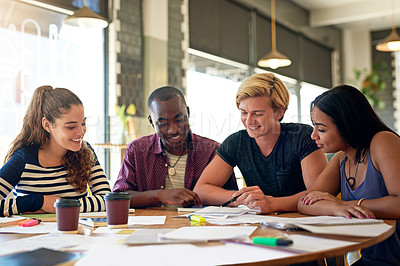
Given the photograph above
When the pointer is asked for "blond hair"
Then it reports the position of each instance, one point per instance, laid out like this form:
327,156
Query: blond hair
265,84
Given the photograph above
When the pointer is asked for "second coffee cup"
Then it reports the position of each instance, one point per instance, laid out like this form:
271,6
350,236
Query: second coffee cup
117,208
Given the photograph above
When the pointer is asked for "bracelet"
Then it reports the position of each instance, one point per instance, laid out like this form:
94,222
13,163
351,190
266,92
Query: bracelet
360,201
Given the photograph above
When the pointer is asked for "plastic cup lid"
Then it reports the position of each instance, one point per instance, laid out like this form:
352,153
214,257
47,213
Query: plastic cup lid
117,196
60,203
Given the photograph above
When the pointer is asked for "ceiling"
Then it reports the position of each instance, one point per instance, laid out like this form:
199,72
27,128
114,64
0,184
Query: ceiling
344,14
352,14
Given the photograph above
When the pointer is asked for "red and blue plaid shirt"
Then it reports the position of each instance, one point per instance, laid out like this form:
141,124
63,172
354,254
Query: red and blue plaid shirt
145,164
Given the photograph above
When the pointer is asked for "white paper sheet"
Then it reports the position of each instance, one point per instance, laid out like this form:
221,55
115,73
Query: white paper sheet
42,228
52,241
210,232
146,220
184,254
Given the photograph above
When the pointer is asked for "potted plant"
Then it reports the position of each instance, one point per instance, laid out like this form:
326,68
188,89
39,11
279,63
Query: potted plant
372,82
126,117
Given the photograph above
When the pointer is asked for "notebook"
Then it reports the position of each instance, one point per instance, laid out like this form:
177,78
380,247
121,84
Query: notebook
293,223
331,225
360,230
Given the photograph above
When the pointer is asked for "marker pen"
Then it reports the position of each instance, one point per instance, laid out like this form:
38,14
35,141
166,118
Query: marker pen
24,221
197,218
270,241
31,223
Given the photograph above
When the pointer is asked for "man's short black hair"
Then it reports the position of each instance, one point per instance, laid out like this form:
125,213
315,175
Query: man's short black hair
164,94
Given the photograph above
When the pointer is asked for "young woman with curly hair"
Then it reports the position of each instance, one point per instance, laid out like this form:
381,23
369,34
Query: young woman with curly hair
49,158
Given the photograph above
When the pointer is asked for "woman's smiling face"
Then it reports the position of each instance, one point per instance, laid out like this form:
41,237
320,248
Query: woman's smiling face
325,133
67,132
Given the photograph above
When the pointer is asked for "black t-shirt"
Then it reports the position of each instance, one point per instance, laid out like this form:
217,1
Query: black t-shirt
279,174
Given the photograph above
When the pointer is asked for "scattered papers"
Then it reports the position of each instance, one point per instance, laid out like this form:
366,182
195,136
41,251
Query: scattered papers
184,254
214,212
208,233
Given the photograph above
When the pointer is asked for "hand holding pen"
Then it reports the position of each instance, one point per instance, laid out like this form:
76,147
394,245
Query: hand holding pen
230,201
252,197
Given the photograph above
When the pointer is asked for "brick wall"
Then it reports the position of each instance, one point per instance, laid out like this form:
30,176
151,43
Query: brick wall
176,55
130,56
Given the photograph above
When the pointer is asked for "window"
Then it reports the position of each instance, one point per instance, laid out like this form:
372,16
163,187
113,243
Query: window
308,93
36,50
212,83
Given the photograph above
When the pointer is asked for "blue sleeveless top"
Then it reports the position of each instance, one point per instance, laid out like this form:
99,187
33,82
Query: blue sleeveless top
388,251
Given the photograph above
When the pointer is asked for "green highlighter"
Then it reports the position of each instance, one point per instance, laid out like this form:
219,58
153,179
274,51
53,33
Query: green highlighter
270,241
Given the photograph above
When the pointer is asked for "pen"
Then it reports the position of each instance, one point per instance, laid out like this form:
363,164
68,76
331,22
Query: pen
197,218
270,241
230,201
283,248
31,223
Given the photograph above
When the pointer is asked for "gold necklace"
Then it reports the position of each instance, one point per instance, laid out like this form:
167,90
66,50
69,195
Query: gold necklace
171,169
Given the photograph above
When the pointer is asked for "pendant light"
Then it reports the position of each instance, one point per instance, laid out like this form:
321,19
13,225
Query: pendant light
274,59
392,42
86,18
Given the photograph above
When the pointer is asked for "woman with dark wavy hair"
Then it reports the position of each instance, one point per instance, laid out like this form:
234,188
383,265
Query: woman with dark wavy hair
365,169
49,158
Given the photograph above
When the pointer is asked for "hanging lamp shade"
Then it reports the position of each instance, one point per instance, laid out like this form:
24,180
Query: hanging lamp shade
274,59
86,18
390,44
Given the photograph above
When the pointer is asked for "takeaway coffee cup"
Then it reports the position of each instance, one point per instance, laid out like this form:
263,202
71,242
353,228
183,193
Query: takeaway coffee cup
67,211
117,208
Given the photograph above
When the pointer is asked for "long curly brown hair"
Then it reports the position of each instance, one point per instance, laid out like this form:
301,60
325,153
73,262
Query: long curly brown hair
52,104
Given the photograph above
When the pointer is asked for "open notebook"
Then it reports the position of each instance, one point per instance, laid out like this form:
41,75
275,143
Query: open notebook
331,225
